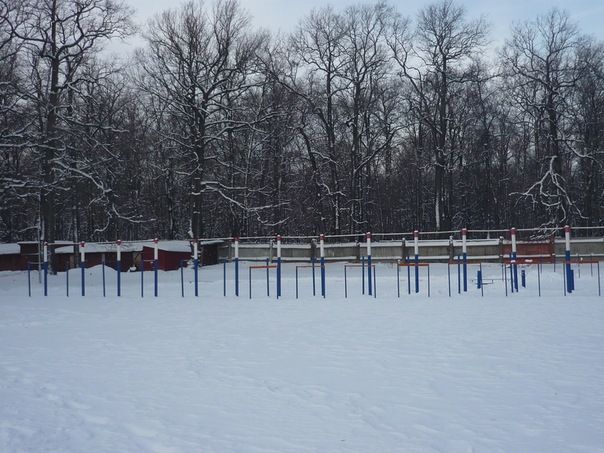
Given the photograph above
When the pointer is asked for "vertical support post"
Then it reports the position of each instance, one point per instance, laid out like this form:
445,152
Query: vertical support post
363,275
481,285
67,281
250,281
119,267
268,288
322,250
464,251
569,276
428,268
45,268
599,286
182,279
236,242
539,278
83,268
374,283
398,279
296,282
278,266
196,267
458,274
416,252
314,289
505,280
155,265
345,282
142,277
523,278
408,277
369,268
478,281
103,276
449,276
29,279
514,274
224,285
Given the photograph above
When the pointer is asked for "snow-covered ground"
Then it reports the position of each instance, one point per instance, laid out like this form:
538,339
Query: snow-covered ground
214,374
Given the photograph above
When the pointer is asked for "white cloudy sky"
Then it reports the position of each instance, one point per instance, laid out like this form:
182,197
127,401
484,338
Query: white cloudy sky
284,14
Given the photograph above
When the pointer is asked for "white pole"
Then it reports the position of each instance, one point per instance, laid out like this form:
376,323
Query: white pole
195,250
46,252
278,246
416,242
155,249
322,245
82,254
119,250
567,238
464,236
368,236
513,234
236,246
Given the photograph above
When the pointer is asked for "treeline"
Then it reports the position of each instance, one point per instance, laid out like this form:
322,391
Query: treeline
360,119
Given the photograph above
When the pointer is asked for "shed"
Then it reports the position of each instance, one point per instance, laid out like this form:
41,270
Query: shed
169,254
11,259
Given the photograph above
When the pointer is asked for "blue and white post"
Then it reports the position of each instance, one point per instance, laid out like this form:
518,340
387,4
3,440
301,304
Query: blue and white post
236,259
278,266
118,266
196,267
570,284
155,264
369,269
322,251
416,252
464,251
513,260
83,267
45,268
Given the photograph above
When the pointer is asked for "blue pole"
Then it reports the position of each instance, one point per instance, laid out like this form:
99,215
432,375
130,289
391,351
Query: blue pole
408,277
523,278
465,272
142,278
323,276
155,285
83,266
481,285
268,290
196,276
515,271
29,279
67,282
362,275
296,282
119,278
312,260
237,277
374,283
250,281
369,276
478,279
182,280
224,270
103,273
278,277
46,278
459,275
569,285
417,273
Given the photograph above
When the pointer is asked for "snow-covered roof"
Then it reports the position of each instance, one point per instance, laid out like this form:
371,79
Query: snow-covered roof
10,249
94,247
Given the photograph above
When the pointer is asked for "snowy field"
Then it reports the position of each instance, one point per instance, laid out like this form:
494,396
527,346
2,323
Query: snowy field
463,374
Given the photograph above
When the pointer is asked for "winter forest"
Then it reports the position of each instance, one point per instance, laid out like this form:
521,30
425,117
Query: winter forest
367,118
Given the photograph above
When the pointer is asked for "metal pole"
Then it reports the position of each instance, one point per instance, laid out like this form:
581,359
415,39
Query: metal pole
449,276
322,249
155,266
250,281
82,267
398,279
45,269
428,280
296,282
416,249
599,287
142,276
278,266
268,289
345,283
224,272
119,267
363,275
514,260
312,262
29,279
103,277
539,278
196,267
67,282
369,268
236,241
569,277
182,280
374,283
481,283
464,235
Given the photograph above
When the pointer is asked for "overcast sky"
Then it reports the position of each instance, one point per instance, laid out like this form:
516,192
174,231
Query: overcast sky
284,14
